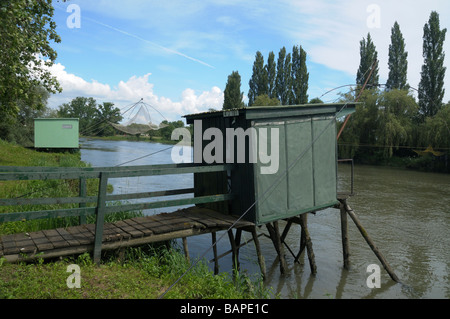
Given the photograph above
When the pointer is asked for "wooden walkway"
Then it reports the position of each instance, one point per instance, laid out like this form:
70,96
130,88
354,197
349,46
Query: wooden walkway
131,232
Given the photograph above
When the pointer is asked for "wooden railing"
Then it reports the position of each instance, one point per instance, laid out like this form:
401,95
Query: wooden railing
103,174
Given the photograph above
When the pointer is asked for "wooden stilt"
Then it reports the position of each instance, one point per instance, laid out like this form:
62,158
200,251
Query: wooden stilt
262,264
275,236
308,243
237,241
216,259
370,242
286,230
234,250
344,234
302,244
284,234
186,249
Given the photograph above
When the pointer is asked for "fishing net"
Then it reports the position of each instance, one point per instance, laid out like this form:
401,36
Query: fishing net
140,123
429,150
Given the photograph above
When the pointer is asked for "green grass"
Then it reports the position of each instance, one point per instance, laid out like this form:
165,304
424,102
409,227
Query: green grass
16,155
144,273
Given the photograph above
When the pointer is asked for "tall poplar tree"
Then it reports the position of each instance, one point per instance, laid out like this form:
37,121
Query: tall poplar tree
368,55
232,93
258,84
283,85
431,86
398,61
271,68
300,76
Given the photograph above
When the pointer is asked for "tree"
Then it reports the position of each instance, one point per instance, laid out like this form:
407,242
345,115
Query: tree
166,132
83,108
435,131
396,110
431,86
258,83
315,100
232,93
26,31
106,113
300,76
369,56
283,83
398,61
19,128
271,68
265,100
362,126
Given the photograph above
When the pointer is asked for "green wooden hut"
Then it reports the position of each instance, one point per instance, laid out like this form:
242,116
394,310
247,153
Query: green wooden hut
303,138
56,133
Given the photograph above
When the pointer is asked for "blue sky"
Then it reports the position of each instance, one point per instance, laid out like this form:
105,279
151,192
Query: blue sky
177,55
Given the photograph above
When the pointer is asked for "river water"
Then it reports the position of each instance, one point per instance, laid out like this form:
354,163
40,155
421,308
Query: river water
406,213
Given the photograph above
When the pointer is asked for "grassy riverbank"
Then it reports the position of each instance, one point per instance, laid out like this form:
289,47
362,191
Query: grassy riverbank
141,274
144,272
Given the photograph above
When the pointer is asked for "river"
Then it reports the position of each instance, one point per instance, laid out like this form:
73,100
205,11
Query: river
406,213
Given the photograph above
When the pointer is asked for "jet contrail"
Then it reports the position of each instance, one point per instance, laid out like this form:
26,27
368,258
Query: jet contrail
145,40
150,42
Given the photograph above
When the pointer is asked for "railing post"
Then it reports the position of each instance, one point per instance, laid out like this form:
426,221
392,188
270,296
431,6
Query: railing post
101,206
82,194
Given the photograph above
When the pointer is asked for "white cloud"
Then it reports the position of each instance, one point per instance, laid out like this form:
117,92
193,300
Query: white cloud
128,92
77,84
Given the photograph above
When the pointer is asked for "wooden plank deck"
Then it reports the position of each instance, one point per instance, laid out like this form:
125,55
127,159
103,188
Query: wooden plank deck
131,232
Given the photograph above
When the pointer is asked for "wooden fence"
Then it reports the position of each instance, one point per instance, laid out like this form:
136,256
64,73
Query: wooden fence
100,201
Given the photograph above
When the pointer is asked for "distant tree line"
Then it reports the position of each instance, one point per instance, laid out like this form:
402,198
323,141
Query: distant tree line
390,123
95,119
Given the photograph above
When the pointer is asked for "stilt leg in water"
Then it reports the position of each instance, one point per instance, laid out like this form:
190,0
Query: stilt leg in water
234,250
283,237
275,236
262,264
308,243
302,244
185,248
371,243
344,233
237,241
216,259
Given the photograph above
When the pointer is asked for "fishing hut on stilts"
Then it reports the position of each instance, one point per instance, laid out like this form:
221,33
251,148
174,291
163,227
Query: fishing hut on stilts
284,168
